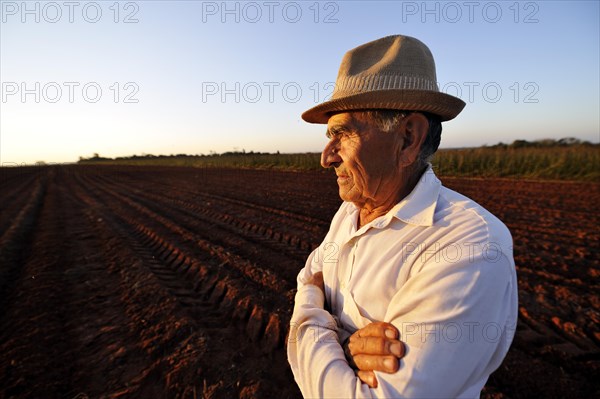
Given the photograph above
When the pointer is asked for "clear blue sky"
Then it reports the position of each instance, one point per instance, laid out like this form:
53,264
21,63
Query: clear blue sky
193,77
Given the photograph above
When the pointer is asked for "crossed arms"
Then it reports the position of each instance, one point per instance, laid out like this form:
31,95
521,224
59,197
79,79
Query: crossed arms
454,321
374,347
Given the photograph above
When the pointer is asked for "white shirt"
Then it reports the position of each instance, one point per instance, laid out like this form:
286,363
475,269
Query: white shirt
439,267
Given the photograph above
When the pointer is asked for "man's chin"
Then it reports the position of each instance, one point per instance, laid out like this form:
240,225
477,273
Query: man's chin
346,188
343,192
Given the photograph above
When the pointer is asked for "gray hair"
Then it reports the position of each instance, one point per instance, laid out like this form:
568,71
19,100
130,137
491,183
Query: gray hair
388,119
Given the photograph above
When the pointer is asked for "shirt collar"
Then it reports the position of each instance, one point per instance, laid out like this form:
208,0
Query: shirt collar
416,208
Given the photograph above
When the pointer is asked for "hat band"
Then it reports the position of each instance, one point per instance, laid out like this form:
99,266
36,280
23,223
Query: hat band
349,85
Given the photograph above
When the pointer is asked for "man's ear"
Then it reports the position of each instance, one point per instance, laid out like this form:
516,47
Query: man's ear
415,132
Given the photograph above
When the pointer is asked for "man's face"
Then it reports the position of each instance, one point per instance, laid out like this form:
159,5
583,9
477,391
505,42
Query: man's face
365,159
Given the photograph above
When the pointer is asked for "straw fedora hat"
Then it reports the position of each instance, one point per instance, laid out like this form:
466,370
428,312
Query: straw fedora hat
394,72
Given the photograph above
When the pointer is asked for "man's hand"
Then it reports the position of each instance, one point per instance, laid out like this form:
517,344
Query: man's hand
374,347
317,279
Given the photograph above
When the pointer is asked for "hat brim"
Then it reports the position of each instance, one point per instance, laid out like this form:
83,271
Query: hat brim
445,106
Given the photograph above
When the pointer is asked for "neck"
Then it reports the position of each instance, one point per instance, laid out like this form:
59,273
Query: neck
371,210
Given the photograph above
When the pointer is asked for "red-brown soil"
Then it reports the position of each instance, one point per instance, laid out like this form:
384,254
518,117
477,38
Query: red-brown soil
178,283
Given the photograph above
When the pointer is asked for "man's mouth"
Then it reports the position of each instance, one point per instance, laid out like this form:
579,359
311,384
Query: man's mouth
342,178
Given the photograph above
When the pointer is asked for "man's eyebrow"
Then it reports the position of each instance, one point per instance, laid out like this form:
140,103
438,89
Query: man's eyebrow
335,130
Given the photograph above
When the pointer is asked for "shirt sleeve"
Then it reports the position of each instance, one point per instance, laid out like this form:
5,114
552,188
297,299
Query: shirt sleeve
314,351
314,346
457,320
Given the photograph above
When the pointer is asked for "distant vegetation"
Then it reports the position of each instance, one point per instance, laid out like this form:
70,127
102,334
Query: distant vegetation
563,159
236,159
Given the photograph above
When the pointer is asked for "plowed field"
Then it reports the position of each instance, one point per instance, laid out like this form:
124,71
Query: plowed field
178,283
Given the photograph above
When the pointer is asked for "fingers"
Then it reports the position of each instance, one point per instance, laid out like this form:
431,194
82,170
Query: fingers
371,345
396,348
375,346
317,279
378,329
348,354
368,377
387,364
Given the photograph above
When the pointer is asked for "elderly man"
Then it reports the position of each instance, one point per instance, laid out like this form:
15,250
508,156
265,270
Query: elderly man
413,291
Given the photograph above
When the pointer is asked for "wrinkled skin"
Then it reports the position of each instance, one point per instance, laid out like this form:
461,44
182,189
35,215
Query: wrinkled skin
375,171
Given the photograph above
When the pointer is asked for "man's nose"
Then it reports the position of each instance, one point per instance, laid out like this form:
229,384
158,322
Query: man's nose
330,155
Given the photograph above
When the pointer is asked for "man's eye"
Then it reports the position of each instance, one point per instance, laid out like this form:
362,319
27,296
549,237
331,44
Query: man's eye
338,134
